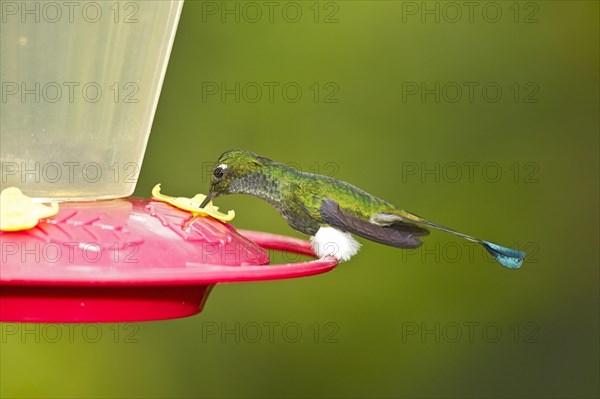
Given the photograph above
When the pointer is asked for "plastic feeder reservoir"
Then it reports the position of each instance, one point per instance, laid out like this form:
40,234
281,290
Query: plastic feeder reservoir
75,121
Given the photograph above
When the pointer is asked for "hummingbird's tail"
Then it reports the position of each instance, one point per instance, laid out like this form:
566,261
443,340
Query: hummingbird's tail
507,257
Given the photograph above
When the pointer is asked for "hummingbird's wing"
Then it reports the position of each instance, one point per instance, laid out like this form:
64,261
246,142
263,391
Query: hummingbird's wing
398,234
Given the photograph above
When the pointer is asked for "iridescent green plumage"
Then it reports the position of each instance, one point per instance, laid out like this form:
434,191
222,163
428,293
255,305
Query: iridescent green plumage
310,201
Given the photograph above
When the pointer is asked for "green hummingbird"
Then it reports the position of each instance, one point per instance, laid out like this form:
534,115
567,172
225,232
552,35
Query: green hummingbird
330,210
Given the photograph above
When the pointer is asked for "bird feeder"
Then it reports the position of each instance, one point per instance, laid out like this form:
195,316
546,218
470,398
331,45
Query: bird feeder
79,96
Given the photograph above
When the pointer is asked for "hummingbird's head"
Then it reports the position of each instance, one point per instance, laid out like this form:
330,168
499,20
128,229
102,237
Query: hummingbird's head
232,173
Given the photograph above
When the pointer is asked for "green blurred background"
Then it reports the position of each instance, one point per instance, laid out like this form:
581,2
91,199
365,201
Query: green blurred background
370,313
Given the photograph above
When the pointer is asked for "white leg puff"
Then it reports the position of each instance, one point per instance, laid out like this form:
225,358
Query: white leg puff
333,242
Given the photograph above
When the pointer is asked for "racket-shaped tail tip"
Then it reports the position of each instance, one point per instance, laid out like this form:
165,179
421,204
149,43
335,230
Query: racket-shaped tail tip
507,257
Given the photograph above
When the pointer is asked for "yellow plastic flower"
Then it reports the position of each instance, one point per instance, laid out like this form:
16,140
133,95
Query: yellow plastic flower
193,205
19,212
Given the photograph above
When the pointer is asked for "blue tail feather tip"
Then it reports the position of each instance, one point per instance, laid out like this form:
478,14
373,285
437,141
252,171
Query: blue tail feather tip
507,257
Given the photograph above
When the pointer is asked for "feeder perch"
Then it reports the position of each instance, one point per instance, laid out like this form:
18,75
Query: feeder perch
104,256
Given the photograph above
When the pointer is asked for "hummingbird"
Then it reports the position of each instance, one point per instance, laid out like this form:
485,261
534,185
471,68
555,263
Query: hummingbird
330,210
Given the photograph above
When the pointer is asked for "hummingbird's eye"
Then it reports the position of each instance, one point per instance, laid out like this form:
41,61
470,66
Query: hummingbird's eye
218,173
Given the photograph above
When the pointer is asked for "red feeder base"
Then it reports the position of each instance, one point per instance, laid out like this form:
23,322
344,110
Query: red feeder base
95,304
132,260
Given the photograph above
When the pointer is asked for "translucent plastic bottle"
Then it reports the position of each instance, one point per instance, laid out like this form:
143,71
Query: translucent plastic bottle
80,82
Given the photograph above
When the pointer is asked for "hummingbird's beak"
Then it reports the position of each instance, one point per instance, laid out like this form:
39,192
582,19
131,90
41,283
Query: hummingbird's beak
208,198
